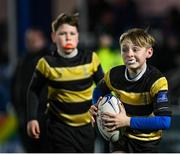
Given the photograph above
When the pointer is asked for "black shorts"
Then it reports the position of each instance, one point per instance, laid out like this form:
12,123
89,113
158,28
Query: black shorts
67,139
128,145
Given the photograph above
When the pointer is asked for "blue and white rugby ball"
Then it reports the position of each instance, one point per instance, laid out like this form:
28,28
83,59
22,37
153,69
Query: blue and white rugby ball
109,103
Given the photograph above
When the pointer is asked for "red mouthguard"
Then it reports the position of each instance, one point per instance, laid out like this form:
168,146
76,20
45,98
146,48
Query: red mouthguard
68,46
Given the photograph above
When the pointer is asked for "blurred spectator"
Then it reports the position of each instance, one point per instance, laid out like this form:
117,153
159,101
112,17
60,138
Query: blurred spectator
169,44
9,140
36,46
171,22
4,77
4,87
95,10
106,22
170,47
126,16
109,58
113,17
3,44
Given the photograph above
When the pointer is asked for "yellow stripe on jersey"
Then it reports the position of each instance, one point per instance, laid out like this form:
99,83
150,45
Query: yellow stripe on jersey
74,120
146,137
70,73
134,98
65,73
70,96
160,84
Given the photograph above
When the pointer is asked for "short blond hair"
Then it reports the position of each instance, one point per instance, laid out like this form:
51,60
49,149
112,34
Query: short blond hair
139,37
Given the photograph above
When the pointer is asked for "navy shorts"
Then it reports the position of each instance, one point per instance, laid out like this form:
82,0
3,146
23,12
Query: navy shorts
63,138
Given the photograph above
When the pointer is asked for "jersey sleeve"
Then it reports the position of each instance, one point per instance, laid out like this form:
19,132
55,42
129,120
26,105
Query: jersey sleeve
43,67
37,83
107,80
159,91
101,90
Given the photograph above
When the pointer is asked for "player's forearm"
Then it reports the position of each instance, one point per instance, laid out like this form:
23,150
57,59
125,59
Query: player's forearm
32,105
150,123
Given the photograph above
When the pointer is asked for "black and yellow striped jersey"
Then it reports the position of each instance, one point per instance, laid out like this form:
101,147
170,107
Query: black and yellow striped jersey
140,98
70,85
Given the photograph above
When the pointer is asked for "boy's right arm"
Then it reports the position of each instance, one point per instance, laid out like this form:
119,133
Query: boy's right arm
33,129
34,88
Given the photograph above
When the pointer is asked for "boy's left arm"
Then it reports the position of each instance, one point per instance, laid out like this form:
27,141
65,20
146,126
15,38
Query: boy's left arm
162,118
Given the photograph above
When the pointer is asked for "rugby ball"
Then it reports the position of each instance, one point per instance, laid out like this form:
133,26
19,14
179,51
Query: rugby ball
109,103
